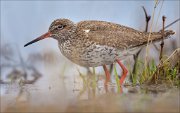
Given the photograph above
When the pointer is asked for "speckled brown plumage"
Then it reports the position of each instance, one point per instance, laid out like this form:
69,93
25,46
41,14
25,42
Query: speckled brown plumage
118,36
96,43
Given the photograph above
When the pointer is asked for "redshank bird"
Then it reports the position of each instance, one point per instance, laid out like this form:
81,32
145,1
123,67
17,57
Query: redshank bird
98,43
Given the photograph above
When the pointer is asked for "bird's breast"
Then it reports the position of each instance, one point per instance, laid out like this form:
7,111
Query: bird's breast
90,54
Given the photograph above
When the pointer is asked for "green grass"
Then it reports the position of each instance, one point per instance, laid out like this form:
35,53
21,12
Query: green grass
165,74
117,79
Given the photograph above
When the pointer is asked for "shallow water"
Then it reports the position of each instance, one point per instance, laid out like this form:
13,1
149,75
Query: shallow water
32,100
58,91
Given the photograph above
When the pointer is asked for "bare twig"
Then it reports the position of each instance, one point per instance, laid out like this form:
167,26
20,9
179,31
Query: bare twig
147,18
162,42
164,29
172,23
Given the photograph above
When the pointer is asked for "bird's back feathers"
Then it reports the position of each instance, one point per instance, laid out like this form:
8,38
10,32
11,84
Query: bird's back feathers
115,35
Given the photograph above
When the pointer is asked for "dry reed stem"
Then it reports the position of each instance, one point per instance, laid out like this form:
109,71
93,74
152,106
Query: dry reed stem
147,46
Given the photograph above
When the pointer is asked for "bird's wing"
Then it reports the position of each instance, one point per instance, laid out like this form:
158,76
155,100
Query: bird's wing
114,35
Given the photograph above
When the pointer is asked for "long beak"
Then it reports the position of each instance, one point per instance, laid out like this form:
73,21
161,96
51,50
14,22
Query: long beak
46,35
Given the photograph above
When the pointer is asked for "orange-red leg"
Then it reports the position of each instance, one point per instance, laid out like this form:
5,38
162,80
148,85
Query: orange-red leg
125,71
107,74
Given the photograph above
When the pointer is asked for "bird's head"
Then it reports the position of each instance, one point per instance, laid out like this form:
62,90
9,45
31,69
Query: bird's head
59,29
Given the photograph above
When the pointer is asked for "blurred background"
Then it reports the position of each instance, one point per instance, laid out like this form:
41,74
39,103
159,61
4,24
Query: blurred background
22,21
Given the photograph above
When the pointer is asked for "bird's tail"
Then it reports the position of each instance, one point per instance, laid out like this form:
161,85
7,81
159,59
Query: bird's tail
154,37
157,36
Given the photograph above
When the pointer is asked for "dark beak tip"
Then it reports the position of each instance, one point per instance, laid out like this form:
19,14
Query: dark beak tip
27,44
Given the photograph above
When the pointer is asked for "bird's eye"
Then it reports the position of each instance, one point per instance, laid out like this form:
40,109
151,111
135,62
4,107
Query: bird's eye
60,27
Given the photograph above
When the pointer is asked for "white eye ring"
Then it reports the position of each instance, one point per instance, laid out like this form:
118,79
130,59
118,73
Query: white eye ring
60,27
